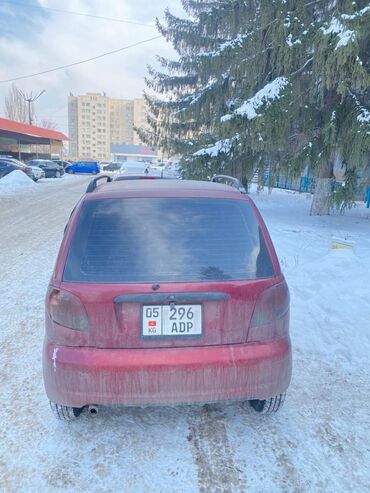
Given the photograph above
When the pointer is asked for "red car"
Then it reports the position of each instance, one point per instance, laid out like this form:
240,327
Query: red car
166,292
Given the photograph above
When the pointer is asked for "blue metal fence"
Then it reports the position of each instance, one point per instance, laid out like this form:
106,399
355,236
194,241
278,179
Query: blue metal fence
302,184
367,197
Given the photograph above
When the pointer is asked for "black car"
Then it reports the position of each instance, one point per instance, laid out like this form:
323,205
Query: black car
51,168
7,165
112,167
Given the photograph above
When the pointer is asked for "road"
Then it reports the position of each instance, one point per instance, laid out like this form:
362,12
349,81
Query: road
318,442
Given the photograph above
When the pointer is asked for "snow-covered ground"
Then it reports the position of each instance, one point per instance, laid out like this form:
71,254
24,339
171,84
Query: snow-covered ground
319,442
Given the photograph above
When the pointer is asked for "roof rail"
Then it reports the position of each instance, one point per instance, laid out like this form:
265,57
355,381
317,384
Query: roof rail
93,184
231,181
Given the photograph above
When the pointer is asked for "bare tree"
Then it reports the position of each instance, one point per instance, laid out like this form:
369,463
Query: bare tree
15,106
49,124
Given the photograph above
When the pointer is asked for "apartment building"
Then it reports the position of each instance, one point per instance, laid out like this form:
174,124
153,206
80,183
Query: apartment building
140,118
96,122
121,113
88,121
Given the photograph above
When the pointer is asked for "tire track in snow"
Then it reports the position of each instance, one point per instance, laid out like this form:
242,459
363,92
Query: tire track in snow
212,452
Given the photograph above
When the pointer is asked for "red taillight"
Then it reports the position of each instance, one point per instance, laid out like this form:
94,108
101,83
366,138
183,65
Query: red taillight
270,316
271,305
67,310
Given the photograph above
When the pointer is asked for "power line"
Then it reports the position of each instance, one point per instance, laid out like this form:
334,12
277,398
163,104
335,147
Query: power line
80,62
81,14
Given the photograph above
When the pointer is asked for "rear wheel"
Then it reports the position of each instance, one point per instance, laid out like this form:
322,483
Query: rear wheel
70,171
268,406
57,174
94,172
65,413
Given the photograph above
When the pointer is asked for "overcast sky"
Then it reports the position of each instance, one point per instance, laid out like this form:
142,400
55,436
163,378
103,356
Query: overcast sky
33,39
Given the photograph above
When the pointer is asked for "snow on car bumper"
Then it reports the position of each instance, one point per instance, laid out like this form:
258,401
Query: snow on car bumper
77,376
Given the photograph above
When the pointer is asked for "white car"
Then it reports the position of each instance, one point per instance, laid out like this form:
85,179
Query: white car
37,173
134,168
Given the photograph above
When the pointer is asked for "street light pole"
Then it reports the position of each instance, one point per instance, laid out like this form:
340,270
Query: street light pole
29,111
31,98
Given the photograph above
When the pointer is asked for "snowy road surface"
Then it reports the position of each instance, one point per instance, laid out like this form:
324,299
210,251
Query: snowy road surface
319,442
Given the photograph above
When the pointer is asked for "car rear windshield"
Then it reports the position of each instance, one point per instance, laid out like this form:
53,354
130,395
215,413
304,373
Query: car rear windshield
166,240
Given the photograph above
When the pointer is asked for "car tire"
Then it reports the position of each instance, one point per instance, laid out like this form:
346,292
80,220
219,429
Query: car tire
268,406
57,174
94,172
65,413
70,171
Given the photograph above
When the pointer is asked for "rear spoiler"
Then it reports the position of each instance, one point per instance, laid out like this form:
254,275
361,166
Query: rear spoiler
231,181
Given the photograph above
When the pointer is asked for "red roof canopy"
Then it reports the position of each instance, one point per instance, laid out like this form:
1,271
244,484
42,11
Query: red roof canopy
30,130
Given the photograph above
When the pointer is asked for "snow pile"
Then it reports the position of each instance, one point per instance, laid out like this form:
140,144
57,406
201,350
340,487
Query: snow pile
238,41
292,43
345,35
213,151
14,181
268,93
364,116
210,85
360,13
194,98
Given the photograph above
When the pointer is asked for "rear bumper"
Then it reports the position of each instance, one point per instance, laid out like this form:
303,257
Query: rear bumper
76,376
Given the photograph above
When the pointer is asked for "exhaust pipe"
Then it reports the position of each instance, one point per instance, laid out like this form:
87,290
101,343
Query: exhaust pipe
92,410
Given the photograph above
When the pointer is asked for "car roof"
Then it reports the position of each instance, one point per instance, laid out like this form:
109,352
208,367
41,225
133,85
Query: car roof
12,161
164,188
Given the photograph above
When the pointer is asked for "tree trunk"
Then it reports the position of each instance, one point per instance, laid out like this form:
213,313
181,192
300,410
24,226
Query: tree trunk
320,202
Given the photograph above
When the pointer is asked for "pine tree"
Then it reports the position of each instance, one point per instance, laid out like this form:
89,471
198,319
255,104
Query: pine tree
278,83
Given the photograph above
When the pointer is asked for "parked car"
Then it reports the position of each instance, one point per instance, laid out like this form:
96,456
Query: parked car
137,169
6,167
10,164
112,167
103,165
65,164
134,167
157,165
84,167
51,169
156,175
165,292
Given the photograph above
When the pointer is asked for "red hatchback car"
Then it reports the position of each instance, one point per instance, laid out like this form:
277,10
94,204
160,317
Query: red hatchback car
166,292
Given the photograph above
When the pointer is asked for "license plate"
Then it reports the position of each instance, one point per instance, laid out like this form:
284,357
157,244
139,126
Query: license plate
172,320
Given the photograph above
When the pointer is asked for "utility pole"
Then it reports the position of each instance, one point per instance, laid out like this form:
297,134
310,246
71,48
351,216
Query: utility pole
31,98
